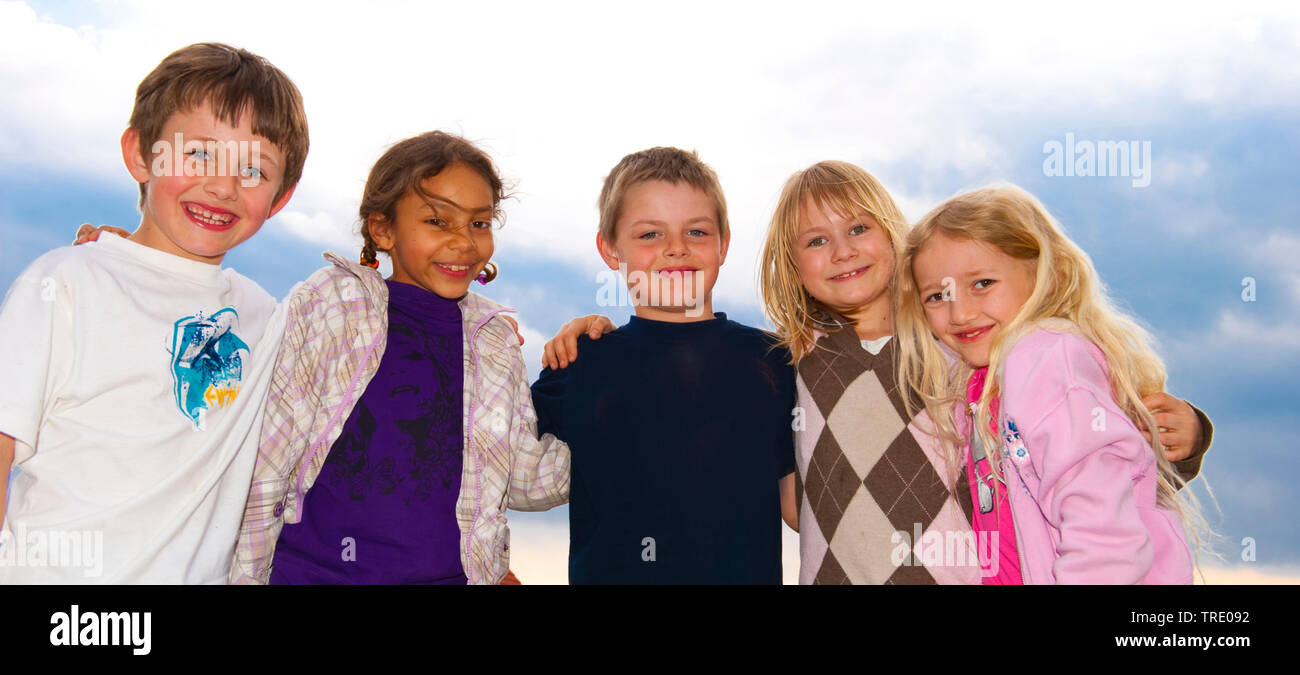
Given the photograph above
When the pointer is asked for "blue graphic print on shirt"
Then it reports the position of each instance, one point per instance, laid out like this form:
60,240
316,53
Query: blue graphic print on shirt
207,362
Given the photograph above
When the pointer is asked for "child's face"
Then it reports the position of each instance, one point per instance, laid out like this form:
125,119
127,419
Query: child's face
668,238
441,244
845,261
970,290
209,202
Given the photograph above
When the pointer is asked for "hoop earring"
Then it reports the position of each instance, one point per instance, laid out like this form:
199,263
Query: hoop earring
488,274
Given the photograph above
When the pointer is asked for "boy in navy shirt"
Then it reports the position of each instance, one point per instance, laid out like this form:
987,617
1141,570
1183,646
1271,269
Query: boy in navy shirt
678,422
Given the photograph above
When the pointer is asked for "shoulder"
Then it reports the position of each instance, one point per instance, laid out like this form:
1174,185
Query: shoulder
67,270
1049,361
68,261
762,344
489,317
251,290
1059,346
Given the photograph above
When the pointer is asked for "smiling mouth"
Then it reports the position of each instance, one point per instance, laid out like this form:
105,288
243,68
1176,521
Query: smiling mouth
676,271
973,335
208,217
851,274
454,271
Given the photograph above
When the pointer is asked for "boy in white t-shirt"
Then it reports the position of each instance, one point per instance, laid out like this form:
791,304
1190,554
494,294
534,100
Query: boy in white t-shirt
136,369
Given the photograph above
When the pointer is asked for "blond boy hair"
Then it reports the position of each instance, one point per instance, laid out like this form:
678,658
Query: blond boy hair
671,165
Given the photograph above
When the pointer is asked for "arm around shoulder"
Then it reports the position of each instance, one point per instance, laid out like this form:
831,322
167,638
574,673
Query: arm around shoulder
539,477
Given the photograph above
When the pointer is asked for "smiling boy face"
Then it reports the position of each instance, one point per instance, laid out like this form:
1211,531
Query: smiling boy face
204,206
667,237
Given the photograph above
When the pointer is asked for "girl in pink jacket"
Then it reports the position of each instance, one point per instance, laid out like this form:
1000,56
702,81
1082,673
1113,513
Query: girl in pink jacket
1043,405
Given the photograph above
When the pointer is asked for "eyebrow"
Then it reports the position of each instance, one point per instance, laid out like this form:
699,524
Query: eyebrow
661,223
261,156
443,200
980,272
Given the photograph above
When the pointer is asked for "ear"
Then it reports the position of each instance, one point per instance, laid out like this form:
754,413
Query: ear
280,203
607,252
722,251
136,165
381,231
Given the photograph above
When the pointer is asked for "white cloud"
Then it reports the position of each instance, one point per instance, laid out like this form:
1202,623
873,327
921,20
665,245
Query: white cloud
319,228
559,97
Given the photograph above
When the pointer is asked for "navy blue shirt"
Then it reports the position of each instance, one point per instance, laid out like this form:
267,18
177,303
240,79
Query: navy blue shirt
679,433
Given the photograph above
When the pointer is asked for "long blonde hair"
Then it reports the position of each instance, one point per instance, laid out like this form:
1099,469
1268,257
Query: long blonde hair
1066,287
833,186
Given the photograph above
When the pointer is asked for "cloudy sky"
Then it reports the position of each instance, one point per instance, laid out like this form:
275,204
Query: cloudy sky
931,101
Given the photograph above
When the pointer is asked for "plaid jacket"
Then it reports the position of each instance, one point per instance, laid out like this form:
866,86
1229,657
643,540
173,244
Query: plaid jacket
334,339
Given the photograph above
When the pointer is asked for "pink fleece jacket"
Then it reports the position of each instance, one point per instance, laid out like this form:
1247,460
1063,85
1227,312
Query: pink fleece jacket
1082,478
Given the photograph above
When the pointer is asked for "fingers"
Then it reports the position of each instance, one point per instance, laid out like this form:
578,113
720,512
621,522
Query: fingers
1177,453
515,325
548,356
88,233
559,351
85,230
570,352
1159,401
598,325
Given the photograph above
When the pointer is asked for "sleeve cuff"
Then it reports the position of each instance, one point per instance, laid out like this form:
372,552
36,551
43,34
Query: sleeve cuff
1189,468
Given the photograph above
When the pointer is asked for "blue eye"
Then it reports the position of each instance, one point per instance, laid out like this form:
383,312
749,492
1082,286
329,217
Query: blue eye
698,233
648,235
251,171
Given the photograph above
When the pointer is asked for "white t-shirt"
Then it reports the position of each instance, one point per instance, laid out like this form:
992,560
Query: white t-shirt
874,346
135,383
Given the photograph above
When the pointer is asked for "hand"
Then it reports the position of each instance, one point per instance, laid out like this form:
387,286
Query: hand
88,232
1180,430
515,325
563,348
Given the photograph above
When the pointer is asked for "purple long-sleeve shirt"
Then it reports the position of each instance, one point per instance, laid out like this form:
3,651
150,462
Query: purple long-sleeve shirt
382,510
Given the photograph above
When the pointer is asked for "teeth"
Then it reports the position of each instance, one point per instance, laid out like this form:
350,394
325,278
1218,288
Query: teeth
455,268
209,217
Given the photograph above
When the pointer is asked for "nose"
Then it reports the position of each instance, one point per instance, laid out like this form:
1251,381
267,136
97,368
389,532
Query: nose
223,187
962,309
462,239
674,245
841,251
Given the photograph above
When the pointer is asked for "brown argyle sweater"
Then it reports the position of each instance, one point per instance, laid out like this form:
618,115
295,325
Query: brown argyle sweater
868,479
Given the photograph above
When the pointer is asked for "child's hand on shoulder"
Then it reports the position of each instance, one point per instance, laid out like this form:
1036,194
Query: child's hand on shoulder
563,348
1180,429
515,325
88,232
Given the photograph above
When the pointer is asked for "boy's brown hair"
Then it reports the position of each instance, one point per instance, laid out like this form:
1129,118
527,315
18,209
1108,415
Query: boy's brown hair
672,165
231,80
